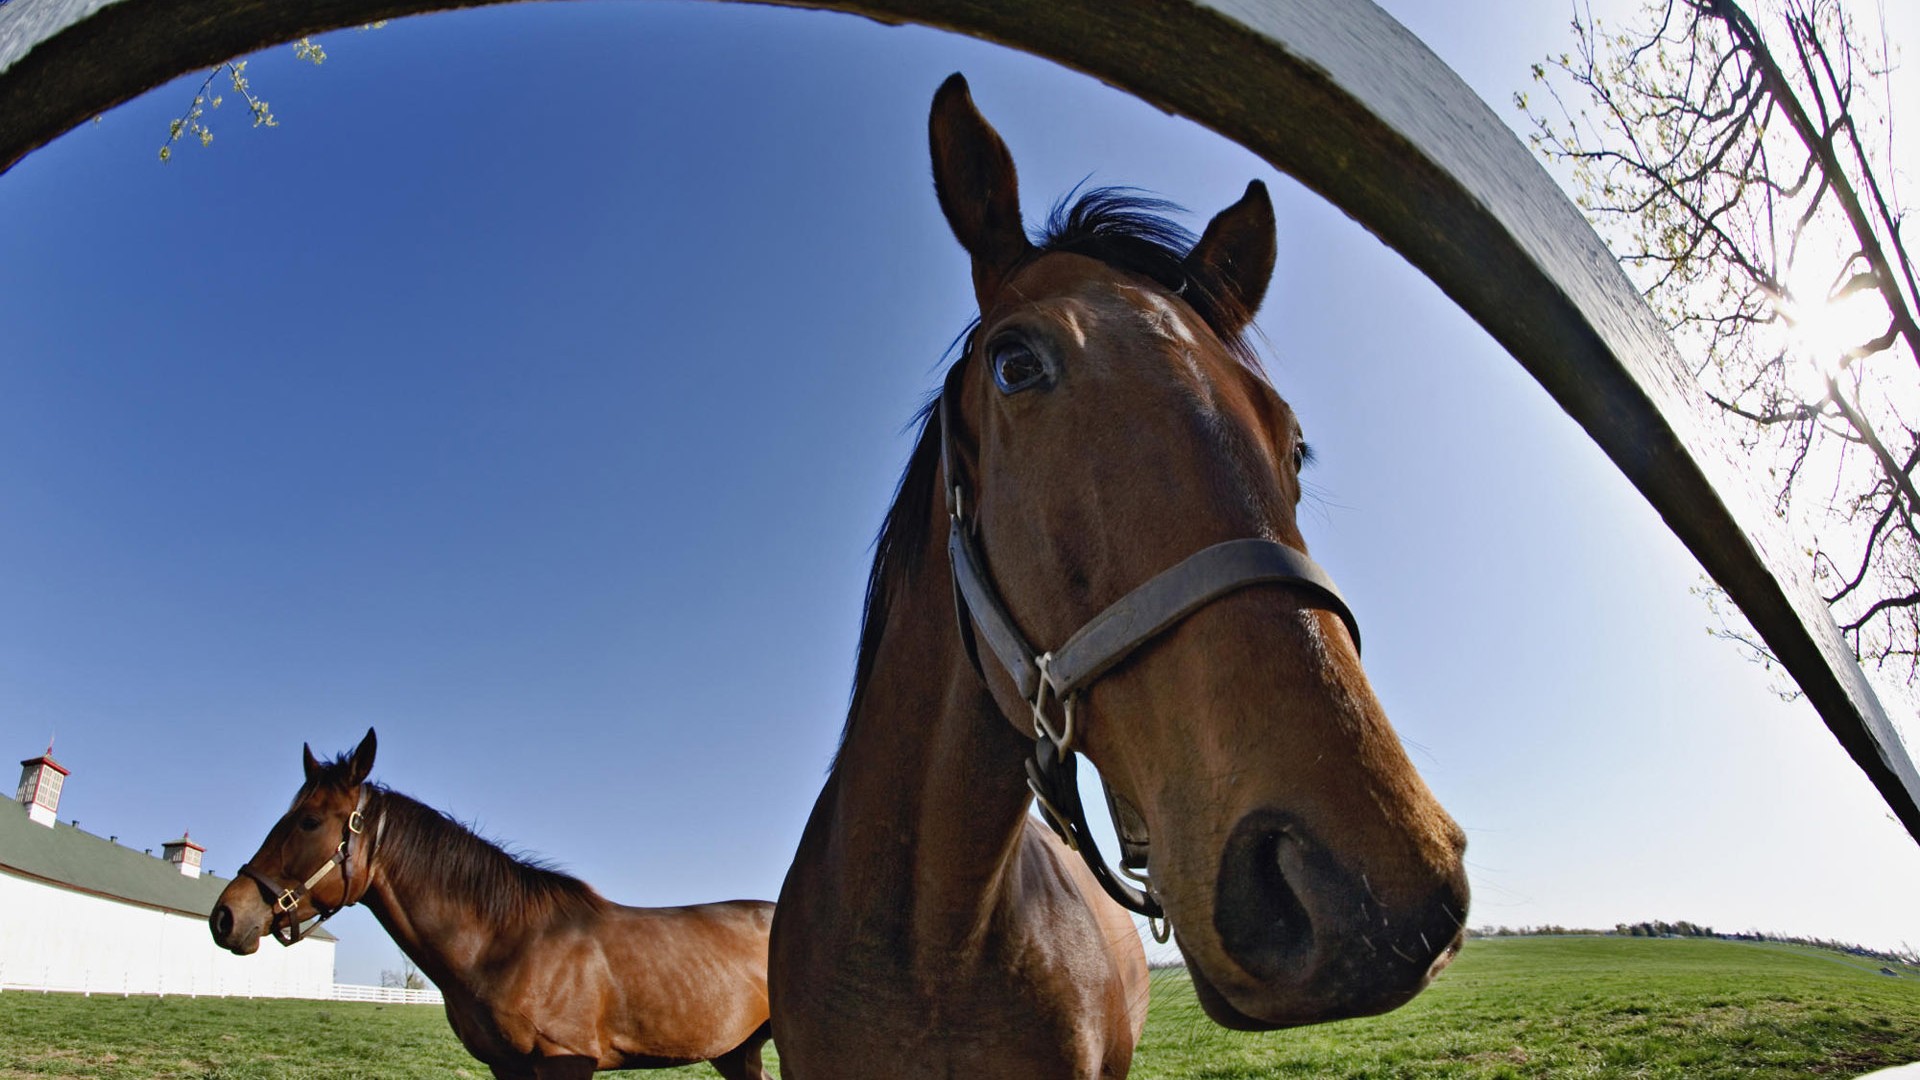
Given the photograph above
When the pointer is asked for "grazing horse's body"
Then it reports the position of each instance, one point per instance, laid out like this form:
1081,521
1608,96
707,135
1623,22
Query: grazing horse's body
1104,422
543,978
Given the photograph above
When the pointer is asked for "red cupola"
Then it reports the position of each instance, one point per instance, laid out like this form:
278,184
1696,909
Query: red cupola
184,854
40,781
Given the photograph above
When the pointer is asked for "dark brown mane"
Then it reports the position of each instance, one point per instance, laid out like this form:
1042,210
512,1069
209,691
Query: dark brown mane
417,842
896,546
1119,226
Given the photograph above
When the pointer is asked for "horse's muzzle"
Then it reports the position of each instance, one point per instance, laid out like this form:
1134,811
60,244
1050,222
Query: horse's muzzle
231,931
1315,939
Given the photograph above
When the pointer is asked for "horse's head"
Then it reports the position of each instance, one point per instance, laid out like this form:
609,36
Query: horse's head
313,862
1111,423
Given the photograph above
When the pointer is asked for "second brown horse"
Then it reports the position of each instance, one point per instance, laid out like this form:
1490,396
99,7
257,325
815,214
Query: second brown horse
544,978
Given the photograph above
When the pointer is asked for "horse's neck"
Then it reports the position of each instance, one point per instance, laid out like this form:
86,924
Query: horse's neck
437,927
929,789
921,899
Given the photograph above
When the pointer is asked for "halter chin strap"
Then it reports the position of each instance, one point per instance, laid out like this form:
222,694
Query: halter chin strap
285,928
1065,674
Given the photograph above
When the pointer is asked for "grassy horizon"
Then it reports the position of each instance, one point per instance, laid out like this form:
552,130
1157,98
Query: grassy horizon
1588,1007
1580,1006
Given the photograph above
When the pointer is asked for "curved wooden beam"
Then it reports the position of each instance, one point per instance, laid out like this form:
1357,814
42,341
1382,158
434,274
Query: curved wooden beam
1332,91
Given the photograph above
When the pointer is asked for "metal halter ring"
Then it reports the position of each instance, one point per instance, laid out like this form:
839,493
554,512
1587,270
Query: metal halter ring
1158,925
1062,739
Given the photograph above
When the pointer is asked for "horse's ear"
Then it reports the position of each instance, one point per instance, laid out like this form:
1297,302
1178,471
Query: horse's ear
974,178
308,762
1233,262
362,765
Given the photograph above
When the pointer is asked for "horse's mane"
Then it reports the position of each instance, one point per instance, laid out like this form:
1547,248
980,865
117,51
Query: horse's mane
419,843
1123,227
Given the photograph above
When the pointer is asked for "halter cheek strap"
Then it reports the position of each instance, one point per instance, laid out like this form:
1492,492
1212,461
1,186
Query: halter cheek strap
1065,674
284,926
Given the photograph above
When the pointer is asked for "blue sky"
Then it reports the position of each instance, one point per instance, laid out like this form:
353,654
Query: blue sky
533,391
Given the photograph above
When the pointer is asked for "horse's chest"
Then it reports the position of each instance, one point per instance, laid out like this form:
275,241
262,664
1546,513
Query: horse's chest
491,1032
960,1022
479,1030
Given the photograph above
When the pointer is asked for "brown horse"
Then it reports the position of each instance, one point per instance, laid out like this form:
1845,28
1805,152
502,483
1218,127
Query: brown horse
1106,473
543,978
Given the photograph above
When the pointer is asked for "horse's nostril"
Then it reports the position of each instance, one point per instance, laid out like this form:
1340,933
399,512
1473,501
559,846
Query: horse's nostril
1257,911
222,921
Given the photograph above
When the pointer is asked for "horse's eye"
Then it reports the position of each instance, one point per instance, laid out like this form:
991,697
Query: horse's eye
1016,366
1302,456
309,823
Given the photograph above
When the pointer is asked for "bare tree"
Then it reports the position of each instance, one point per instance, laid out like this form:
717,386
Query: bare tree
406,977
1743,171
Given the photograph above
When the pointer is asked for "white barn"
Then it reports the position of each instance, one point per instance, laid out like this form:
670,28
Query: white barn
79,913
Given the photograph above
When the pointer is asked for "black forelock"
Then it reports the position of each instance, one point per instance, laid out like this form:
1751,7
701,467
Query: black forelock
1129,229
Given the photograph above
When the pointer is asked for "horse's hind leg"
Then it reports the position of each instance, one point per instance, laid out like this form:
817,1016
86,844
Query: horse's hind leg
743,1061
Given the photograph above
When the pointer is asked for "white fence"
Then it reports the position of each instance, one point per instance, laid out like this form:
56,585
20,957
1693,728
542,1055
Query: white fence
121,987
392,995
88,982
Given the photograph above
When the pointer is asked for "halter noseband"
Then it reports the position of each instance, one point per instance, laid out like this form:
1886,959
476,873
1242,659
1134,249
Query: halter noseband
1066,673
285,928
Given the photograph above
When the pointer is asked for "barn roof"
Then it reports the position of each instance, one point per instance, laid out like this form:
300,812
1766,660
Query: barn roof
67,857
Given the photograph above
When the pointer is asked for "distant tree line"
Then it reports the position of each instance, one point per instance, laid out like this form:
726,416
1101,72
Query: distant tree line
1543,930
1657,928
1660,928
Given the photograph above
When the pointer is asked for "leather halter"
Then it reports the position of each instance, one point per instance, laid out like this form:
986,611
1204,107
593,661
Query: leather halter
1066,673
285,928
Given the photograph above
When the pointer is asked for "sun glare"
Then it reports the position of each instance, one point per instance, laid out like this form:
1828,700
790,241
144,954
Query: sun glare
1821,332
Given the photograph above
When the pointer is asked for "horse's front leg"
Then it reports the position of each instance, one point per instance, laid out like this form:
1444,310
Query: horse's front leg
572,1067
743,1061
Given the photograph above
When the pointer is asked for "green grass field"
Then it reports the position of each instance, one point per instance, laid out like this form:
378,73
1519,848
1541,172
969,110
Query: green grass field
1582,1007
1511,1007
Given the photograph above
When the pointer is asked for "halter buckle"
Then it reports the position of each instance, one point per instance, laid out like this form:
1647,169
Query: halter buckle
356,824
286,902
